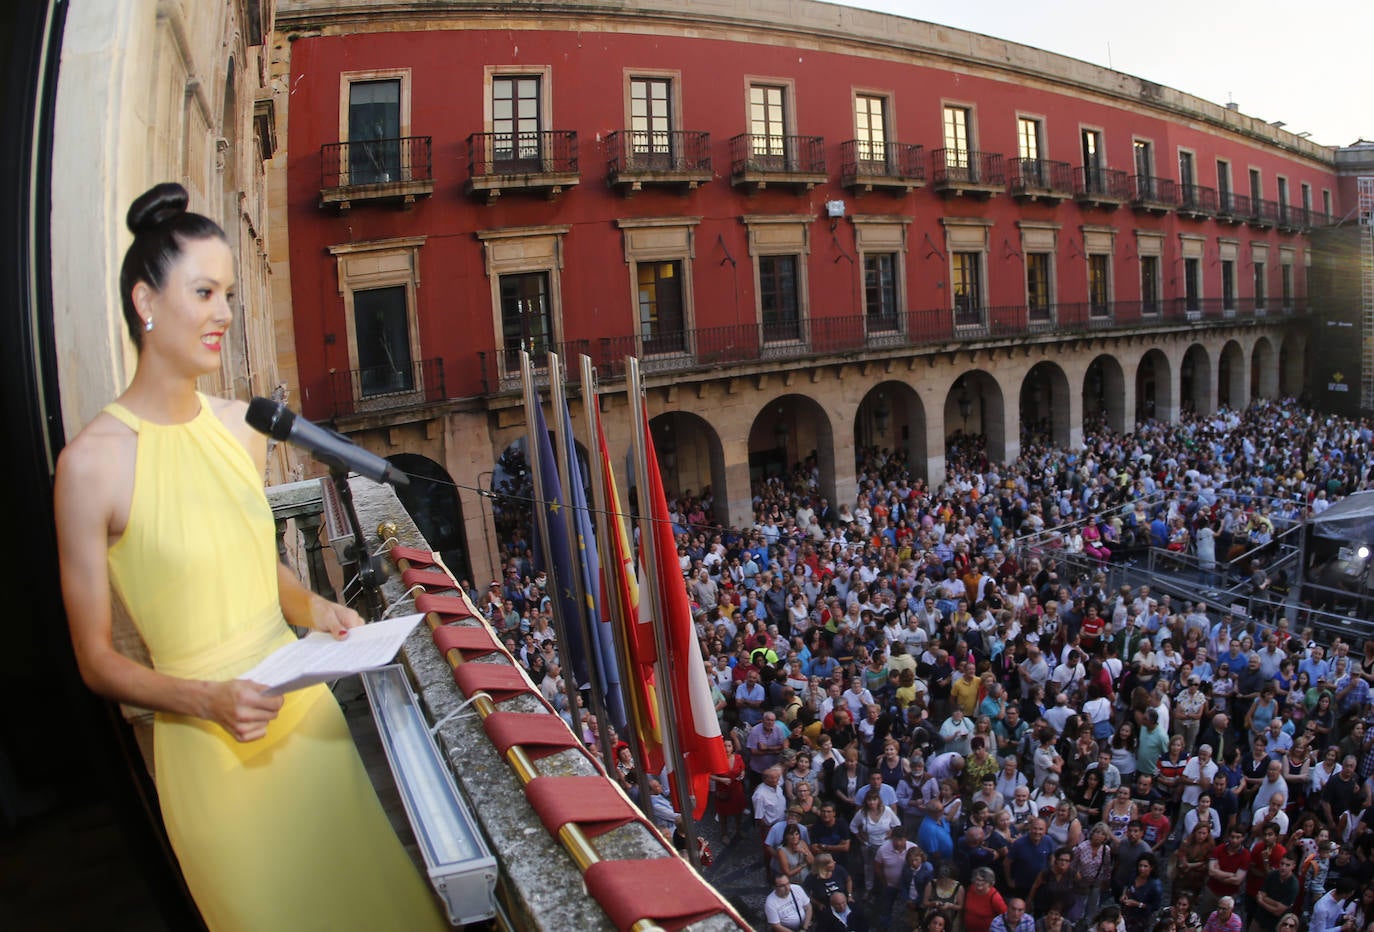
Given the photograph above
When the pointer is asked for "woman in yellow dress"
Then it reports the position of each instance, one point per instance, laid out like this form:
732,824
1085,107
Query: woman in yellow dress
266,802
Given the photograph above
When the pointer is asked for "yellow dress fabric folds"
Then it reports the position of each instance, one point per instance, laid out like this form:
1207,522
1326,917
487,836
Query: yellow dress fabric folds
281,833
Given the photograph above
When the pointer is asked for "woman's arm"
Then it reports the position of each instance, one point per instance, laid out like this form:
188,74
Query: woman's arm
306,609
93,473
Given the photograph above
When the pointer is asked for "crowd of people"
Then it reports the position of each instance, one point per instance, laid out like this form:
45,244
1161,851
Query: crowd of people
931,726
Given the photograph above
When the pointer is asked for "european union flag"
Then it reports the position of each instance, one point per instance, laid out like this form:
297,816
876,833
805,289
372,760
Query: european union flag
603,646
557,559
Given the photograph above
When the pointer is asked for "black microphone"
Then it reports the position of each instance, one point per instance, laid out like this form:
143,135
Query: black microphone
333,449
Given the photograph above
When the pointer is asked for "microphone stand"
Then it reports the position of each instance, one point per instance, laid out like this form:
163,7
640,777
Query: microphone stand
369,570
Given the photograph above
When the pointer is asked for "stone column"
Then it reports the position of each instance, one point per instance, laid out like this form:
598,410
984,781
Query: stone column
1075,416
736,496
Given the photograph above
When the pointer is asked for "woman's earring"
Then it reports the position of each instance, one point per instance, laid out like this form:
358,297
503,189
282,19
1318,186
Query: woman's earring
148,325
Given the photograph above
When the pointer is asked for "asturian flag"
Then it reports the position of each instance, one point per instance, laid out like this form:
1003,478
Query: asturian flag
694,715
636,633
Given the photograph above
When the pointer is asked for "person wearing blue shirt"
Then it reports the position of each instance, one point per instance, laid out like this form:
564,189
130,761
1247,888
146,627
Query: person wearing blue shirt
935,837
1315,665
1027,857
876,785
823,666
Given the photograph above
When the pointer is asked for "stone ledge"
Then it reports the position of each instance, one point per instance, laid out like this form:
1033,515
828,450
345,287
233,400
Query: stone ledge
542,886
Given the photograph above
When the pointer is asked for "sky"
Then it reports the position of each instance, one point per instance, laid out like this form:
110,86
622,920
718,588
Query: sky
1308,63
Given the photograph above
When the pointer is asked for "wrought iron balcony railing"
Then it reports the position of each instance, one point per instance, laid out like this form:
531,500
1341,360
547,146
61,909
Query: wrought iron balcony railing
661,151
955,168
1151,192
865,162
1263,213
1233,206
375,162
501,368
756,153
1101,185
385,388
376,169
1197,201
1031,177
549,152
798,339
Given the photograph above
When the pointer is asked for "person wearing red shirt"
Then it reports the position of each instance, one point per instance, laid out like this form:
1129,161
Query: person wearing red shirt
1264,857
1091,631
1227,867
1157,825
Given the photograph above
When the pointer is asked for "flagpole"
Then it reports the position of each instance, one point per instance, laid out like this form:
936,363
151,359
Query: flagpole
649,558
541,524
590,399
567,475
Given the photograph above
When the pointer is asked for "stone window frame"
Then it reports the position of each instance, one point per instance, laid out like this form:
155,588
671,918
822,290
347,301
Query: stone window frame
363,267
643,239
882,234
781,235
517,250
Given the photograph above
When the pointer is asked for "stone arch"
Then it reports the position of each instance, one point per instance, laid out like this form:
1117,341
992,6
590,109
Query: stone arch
690,457
1264,370
791,433
432,500
1292,365
892,417
1195,380
1154,387
974,406
1231,375
1043,403
1104,392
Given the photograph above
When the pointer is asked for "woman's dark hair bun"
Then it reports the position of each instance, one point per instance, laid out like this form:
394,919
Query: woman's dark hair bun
157,206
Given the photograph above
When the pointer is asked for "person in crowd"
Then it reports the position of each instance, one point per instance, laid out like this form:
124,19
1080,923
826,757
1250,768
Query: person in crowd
786,908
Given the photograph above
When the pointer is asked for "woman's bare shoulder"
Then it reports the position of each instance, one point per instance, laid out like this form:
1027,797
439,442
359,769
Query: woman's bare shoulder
95,463
93,446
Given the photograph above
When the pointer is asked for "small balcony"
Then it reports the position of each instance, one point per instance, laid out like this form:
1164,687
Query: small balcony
1104,188
795,162
1264,215
1041,180
1153,195
897,167
1233,208
677,159
393,171
538,163
957,172
386,388
1196,202
1293,219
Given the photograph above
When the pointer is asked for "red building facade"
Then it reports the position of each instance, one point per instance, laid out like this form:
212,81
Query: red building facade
740,199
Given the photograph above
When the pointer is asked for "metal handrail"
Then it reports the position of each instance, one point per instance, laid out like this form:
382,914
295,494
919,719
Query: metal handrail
547,152
1149,189
365,162
1030,175
951,166
783,154
861,158
679,349
1101,182
658,151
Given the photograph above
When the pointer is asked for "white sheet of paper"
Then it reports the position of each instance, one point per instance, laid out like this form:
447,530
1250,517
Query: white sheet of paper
319,658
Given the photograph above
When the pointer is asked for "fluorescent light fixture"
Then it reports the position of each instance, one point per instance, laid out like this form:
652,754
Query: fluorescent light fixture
461,867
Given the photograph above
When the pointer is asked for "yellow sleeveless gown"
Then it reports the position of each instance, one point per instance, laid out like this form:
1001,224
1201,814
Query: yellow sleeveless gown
281,833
